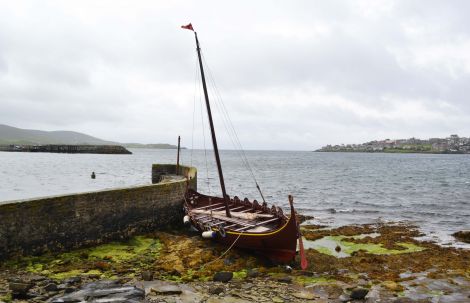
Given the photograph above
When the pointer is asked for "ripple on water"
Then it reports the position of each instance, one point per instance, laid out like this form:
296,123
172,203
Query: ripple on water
359,187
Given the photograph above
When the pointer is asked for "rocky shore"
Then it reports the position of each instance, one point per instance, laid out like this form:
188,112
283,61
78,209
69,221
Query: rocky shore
361,263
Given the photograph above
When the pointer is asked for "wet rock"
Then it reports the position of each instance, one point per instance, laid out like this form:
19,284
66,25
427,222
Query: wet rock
51,287
463,235
223,276
287,269
37,278
303,218
305,295
393,286
344,298
147,275
19,288
227,300
215,290
167,289
73,280
106,291
69,290
358,293
285,279
252,273
373,295
408,300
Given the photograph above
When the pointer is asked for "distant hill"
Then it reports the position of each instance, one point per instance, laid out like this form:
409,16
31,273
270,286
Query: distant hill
18,136
14,135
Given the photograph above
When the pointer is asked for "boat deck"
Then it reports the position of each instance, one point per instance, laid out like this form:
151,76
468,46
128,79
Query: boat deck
244,218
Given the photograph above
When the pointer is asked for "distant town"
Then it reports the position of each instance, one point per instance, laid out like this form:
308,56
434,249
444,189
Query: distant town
450,145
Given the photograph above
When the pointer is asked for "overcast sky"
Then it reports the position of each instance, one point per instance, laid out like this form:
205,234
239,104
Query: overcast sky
292,74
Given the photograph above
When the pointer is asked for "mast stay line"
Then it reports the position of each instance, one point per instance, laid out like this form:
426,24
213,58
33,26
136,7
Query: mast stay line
211,123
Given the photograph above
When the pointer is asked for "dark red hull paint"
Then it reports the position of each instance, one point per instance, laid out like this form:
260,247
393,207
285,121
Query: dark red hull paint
278,244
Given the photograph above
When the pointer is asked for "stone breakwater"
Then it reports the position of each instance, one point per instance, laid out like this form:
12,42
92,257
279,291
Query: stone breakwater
68,149
60,223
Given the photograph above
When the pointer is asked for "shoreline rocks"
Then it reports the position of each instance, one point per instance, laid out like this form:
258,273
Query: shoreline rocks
463,235
181,267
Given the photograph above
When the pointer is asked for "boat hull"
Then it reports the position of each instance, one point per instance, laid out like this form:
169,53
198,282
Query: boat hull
278,244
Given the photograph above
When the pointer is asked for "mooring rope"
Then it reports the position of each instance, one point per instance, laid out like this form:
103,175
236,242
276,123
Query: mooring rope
223,254
226,251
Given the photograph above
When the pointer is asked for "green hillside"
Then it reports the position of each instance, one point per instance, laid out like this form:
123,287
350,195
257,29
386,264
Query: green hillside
14,135
18,136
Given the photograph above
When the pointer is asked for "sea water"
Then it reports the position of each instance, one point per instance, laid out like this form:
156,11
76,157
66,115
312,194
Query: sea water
432,191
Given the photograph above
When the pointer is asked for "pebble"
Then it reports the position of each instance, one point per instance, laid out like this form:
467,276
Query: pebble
215,290
393,286
51,287
359,293
228,299
344,298
223,276
147,275
252,273
73,280
285,279
19,288
106,291
305,295
166,290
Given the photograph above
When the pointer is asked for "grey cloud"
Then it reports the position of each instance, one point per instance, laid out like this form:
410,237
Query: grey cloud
120,70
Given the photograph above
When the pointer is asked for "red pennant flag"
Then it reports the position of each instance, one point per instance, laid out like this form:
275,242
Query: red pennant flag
189,26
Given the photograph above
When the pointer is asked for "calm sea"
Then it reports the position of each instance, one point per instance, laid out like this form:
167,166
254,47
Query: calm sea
432,191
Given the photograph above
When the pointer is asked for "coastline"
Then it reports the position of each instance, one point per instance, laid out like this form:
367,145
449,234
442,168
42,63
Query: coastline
393,152
67,149
376,261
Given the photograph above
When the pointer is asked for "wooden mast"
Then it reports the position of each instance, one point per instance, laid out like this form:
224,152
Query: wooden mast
214,140
178,157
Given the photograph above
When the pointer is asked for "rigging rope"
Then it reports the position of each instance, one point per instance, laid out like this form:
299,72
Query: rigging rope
230,128
204,143
196,88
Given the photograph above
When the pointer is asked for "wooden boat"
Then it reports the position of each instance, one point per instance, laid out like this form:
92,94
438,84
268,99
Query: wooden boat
242,223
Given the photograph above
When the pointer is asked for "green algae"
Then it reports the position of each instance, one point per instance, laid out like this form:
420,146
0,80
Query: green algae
120,252
6,298
136,254
66,274
240,275
339,246
304,280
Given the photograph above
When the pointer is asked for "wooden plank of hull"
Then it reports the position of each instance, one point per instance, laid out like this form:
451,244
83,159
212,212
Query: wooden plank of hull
278,245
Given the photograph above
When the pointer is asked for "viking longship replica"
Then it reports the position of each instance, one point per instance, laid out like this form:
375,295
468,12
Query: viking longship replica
242,223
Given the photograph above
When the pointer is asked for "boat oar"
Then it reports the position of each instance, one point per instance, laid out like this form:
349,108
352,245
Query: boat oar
303,257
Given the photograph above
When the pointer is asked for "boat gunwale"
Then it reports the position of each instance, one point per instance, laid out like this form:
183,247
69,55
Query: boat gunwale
232,231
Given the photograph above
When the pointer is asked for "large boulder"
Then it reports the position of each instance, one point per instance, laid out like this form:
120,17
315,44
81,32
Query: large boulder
19,288
463,235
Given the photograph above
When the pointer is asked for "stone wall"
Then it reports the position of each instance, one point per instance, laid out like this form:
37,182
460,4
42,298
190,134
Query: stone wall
160,170
71,221
69,149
